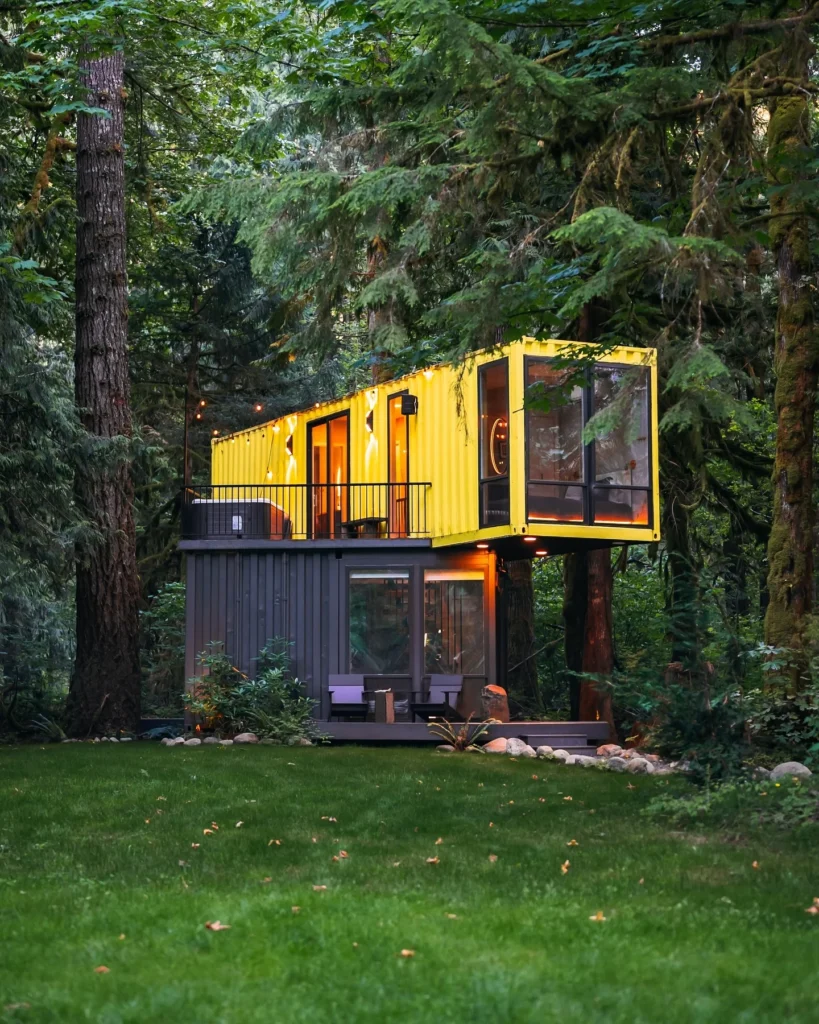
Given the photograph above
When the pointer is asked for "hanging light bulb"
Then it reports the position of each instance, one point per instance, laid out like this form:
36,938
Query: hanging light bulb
258,407
202,403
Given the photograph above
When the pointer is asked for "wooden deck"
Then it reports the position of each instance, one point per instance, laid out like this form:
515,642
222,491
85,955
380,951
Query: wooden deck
576,737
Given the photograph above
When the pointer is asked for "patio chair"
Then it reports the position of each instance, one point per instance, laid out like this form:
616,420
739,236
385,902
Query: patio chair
441,698
347,697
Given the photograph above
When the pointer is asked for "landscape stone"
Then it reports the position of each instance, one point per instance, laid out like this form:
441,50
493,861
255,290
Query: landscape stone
113,739
246,737
194,741
584,760
609,750
210,740
639,766
445,748
790,768
225,743
544,752
761,774
562,755
125,739
517,748
617,764
302,741
497,746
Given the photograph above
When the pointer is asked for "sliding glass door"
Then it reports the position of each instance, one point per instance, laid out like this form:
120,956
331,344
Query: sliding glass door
328,445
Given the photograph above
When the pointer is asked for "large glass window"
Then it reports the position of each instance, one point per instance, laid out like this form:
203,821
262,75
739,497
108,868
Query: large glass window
622,469
379,607
555,451
398,467
453,623
493,402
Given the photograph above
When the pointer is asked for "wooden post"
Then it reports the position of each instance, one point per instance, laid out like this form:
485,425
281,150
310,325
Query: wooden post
384,706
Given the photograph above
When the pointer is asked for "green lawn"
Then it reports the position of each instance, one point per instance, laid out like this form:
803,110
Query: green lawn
97,868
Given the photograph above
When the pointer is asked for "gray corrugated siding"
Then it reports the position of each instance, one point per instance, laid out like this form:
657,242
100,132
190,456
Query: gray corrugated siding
244,597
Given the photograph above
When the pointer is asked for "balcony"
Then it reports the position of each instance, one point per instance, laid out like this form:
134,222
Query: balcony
299,512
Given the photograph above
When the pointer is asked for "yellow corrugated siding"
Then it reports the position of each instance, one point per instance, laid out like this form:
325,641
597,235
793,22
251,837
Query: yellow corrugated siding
443,444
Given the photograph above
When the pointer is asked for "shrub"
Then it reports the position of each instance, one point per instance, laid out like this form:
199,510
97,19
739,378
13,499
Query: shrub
787,804
163,657
273,704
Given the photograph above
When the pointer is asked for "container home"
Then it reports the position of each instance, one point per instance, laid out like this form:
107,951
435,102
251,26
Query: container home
372,531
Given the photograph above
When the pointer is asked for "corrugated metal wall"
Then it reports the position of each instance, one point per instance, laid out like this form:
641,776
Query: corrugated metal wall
243,598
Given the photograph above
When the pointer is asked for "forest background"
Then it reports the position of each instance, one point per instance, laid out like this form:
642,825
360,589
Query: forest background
301,197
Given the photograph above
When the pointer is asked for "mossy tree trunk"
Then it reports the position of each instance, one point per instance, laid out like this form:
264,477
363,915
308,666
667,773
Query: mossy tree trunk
521,678
796,365
105,686
598,647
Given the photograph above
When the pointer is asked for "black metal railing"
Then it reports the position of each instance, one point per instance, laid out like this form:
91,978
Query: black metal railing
305,511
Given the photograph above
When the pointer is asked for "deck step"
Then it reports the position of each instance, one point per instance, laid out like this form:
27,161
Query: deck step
574,744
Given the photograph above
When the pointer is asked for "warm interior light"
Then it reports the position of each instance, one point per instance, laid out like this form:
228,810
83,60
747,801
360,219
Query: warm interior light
541,553
483,547
530,540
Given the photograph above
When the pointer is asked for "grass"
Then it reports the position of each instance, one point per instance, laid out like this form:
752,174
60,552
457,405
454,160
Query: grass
97,868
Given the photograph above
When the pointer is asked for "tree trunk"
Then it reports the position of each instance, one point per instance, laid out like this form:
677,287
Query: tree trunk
520,632
104,694
575,600
796,362
598,651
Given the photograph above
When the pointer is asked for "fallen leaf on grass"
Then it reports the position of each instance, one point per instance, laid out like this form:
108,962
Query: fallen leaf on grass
102,969
194,846
214,826
407,953
295,910
564,867
567,798
267,880
277,842
452,917
814,907
535,777
162,798
433,860
396,863
315,839
480,785
573,842
755,865
319,888
324,817
183,863
491,824
438,842
493,858
147,821
9,1007
599,916
343,854
334,859
541,799
629,786
216,926
641,881
239,824
122,936
207,832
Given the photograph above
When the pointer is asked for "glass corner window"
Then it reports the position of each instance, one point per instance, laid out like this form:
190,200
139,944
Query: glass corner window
622,455
555,489
493,435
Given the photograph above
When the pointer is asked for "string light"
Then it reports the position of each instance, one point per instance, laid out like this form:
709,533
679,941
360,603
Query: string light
198,416
202,404
216,433
258,407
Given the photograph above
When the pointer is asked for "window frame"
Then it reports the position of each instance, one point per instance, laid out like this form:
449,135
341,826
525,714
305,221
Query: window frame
407,572
589,484
319,421
502,360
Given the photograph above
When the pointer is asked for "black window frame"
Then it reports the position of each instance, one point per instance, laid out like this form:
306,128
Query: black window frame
482,481
319,421
589,484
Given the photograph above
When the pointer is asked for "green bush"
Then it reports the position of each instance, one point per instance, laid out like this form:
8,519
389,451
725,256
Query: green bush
163,650
273,704
787,804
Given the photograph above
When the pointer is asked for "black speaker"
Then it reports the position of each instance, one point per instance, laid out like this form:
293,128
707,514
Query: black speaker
409,405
